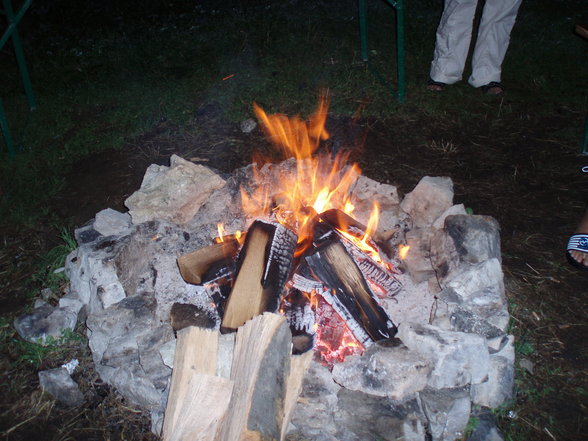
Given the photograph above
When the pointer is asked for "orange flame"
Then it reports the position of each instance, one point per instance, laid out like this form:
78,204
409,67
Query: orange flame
320,182
403,251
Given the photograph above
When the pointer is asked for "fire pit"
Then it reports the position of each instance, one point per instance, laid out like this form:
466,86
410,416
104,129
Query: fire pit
401,301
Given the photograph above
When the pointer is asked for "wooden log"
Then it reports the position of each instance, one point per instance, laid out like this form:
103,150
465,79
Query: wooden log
298,367
263,267
353,298
202,412
194,265
196,351
260,372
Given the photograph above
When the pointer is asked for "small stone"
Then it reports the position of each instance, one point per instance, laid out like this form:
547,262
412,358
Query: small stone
167,352
58,383
526,364
248,125
110,222
45,325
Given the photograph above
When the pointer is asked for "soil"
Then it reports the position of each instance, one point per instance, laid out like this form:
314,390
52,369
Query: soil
516,170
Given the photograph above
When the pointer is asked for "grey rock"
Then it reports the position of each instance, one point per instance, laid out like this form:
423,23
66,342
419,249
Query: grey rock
486,429
393,372
458,358
59,384
466,321
86,234
173,193
167,351
465,239
498,388
248,125
313,414
454,209
45,325
71,302
110,222
447,411
361,417
132,383
150,358
365,192
428,200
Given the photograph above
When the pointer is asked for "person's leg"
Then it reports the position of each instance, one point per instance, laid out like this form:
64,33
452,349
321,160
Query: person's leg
498,19
453,41
580,256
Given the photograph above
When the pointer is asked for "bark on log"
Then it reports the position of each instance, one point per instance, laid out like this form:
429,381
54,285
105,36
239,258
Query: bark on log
263,268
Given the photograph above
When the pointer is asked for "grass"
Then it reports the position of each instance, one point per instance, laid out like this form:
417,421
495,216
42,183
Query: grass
105,74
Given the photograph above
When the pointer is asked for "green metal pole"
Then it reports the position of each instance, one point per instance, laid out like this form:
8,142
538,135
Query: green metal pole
6,131
585,140
400,49
22,65
363,30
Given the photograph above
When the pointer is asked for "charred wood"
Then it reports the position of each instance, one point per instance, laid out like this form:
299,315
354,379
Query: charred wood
263,268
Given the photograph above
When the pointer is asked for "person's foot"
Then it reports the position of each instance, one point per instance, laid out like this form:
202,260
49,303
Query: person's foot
580,243
435,86
492,88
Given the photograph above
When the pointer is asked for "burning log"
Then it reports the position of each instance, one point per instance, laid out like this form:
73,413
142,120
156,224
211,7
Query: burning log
195,265
263,267
351,295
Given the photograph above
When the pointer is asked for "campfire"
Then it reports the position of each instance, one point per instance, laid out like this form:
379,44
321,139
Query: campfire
295,299
303,253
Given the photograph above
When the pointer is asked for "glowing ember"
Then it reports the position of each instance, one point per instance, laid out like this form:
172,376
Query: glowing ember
403,251
334,340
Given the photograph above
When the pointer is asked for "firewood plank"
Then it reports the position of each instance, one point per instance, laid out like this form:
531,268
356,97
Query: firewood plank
196,352
263,269
298,367
260,369
202,413
194,265
336,268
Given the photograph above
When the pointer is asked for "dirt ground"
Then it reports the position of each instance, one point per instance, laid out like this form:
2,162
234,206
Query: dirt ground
516,170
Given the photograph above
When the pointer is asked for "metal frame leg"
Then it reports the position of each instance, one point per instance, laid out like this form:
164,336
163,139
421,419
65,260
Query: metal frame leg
6,131
585,139
398,5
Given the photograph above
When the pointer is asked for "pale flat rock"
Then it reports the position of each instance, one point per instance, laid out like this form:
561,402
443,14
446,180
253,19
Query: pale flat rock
173,193
393,372
428,200
110,222
458,358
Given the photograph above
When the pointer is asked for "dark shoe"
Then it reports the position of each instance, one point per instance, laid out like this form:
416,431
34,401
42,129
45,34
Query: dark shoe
492,88
435,86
